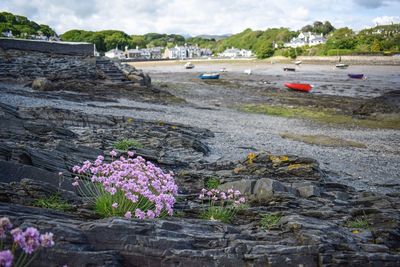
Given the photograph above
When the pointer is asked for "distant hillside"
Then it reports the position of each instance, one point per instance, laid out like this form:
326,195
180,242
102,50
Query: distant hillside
22,27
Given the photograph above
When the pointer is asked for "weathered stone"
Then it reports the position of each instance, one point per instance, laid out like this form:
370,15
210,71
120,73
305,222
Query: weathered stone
42,84
266,187
309,191
244,186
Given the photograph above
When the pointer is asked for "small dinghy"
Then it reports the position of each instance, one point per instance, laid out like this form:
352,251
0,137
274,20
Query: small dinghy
356,76
298,62
248,71
289,69
303,87
213,76
342,66
223,70
189,65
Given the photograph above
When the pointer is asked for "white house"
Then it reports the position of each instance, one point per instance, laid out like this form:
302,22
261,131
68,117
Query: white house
234,52
306,38
8,34
115,53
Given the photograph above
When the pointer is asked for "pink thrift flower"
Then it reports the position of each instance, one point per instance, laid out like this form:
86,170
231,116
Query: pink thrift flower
113,153
150,214
130,154
128,215
114,205
60,173
5,225
46,240
139,214
6,258
75,184
29,240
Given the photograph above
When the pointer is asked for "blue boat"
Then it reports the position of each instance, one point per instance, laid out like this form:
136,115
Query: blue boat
213,76
356,76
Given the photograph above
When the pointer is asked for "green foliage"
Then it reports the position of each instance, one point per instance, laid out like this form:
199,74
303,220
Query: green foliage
125,144
21,26
269,221
265,50
53,202
319,27
339,52
376,46
359,223
218,213
212,183
104,202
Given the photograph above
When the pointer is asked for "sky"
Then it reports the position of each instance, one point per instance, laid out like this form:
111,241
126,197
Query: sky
195,17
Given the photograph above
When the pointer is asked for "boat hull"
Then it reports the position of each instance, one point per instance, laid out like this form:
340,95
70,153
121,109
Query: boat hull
342,66
289,69
209,77
303,87
355,76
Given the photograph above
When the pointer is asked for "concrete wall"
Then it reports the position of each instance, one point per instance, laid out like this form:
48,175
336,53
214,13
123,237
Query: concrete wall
27,60
63,48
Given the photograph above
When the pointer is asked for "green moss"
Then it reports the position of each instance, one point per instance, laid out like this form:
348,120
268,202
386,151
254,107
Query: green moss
329,116
212,183
322,140
53,202
269,221
125,144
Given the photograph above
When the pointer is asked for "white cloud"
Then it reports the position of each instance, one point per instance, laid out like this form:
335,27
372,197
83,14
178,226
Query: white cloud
196,16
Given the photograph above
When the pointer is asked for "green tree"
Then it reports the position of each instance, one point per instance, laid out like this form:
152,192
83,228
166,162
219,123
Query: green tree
265,51
376,46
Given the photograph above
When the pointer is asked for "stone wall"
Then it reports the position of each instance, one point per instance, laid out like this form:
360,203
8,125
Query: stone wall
358,60
27,60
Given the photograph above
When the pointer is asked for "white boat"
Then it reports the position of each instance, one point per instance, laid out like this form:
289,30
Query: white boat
189,65
298,62
222,70
342,66
248,71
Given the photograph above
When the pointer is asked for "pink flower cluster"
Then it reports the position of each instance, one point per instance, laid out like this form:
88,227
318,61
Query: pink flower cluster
29,240
136,178
230,196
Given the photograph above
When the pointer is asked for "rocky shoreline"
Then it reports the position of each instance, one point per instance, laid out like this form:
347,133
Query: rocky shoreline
45,132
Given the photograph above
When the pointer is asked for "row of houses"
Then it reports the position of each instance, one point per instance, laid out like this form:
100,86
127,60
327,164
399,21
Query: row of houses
40,36
194,51
186,51
177,52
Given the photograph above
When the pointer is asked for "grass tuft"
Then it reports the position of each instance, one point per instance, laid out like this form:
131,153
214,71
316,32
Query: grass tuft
359,223
212,183
53,202
125,144
269,221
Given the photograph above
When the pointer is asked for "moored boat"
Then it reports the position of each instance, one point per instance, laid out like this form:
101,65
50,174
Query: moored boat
189,65
342,66
298,62
248,71
304,87
356,75
213,76
289,69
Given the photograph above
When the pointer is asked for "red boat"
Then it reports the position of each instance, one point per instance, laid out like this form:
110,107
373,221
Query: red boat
304,87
